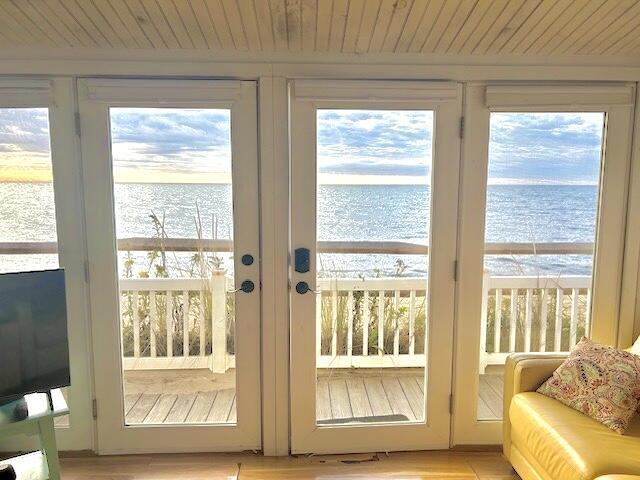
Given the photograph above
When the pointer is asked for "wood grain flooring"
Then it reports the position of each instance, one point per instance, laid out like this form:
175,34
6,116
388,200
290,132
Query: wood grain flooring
341,398
244,466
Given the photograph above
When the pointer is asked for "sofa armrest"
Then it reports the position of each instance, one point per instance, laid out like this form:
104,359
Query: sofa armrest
524,372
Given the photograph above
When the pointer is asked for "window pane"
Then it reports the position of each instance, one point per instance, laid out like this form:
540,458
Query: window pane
27,208
542,198
174,227
373,200
26,200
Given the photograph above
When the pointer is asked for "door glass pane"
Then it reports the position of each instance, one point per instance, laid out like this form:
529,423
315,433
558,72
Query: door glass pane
27,208
542,202
27,203
174,228
373,212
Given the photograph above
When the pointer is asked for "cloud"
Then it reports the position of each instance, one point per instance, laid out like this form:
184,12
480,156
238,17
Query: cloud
374,142
165,139
545,147
524,147
24,137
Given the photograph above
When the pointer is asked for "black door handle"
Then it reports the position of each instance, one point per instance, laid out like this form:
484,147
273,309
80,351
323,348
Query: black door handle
303,287
247,287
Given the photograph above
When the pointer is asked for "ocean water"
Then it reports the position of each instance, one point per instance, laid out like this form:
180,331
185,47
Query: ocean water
515,213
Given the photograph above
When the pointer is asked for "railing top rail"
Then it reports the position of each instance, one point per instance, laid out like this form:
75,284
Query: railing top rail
339,247
163,284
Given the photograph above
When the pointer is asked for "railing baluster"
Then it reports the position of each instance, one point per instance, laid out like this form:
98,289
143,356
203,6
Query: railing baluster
557,334
412,322
334,322
203,342
136,326
497,324
587,315
543,319
185,323
350,323
381,322
169,322
153,322
396,323
365,323
573,326
513,320
528,315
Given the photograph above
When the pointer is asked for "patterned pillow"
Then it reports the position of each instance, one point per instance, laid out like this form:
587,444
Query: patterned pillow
599,381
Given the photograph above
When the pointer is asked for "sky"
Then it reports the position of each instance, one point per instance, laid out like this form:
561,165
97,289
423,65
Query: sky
354,146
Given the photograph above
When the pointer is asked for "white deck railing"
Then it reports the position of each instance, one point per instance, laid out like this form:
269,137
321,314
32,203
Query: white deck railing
172,311
377,322
538,314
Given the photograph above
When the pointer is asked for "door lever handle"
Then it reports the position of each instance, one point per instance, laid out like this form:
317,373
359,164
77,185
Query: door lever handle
303,287
247,287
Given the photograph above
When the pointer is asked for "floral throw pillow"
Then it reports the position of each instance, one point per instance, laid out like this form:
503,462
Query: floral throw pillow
599,381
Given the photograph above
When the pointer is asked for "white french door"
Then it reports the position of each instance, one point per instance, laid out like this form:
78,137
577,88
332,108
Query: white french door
171,175
542,228
374,191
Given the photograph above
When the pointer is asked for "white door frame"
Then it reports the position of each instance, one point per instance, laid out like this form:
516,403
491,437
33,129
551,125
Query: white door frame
444,98
480,99
95,98
58,95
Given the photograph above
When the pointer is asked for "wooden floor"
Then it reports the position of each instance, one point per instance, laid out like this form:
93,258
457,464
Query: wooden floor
406,465
343,396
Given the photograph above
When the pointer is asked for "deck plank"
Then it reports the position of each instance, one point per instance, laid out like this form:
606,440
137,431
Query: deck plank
484,412
161,409
358,398
397,398
181,408
414,394
377,396
490,397
340,404
141,409
221,406
130,400
201,407
323,401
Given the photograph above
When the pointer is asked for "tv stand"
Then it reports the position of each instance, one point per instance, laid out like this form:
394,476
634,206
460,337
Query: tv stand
43,408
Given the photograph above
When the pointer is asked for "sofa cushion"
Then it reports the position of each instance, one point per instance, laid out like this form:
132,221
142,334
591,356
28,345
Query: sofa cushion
619,477
569,445
600,381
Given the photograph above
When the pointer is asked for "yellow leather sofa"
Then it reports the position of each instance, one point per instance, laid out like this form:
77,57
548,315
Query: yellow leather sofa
546,440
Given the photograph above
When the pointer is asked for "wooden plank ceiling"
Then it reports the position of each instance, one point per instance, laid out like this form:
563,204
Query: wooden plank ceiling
467,27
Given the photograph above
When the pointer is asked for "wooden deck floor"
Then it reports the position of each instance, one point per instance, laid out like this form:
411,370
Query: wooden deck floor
490,397
342,397
202,407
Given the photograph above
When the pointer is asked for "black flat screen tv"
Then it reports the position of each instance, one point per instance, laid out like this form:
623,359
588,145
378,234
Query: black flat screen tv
34,348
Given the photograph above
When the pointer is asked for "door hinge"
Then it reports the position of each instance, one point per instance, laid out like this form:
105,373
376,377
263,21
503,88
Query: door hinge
86,272
451,403
77,122
461,127
94,408
455,270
